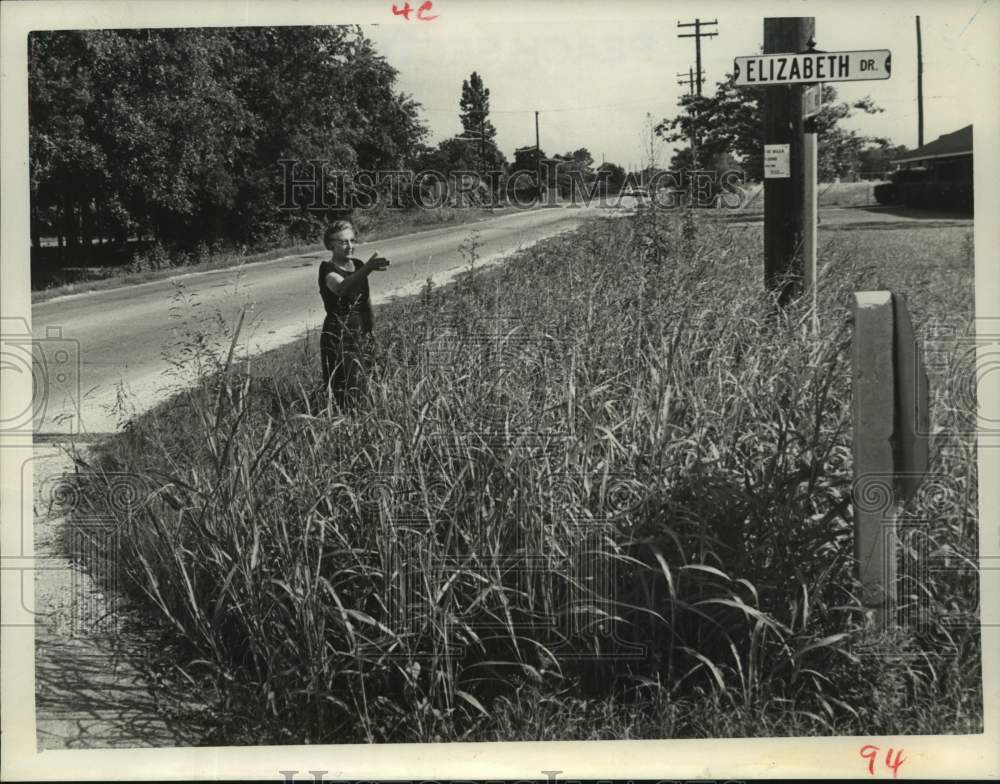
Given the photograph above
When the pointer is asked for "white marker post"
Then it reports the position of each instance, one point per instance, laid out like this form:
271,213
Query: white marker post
874,410
890,399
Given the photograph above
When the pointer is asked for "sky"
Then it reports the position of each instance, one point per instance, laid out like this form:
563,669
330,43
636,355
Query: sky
594,81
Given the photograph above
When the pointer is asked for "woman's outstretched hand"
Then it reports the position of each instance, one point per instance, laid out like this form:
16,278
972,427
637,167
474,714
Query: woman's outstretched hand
377,263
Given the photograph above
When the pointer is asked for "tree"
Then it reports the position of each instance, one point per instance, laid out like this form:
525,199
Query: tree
875,161
474,110
573,169
450,156
169,117
613,180
524,170
67,168
180,134
732,121
838,152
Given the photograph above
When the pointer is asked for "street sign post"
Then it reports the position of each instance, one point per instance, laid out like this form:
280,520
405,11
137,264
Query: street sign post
795,71
763,70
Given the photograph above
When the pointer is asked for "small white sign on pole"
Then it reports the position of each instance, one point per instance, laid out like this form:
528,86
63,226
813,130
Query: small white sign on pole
812,101
776,160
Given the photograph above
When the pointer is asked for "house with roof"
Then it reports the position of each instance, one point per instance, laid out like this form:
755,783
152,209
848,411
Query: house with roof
948,157
937,175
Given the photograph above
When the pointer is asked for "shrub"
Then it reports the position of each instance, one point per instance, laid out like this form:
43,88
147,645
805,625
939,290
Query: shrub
153,257
886,193
938,195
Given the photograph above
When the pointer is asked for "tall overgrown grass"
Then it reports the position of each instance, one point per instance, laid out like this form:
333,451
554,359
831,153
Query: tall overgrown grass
603,491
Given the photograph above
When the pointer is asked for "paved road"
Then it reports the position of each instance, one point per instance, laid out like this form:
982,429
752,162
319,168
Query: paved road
121,335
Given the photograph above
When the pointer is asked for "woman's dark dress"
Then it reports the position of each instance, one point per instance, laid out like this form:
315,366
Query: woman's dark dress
343,342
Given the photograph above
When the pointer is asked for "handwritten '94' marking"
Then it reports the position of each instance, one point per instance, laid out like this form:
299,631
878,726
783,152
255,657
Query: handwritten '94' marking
871,753
423,12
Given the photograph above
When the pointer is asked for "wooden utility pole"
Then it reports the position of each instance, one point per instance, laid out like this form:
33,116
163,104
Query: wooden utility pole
688,79
482,145
784,194
538,158
920,89
697,35
690,83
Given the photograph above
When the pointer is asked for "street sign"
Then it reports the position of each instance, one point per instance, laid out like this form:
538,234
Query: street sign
777,160
776,69
812,101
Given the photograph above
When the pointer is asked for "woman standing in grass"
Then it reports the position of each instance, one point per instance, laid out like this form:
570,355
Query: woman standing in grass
343,285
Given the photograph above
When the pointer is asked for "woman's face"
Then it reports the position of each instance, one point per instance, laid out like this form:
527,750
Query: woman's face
342,245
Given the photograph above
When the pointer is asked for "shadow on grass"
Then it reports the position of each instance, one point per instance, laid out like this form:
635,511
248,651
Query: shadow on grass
914,213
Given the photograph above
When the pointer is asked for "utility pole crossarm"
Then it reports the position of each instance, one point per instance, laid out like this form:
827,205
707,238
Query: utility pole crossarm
688,79
697,35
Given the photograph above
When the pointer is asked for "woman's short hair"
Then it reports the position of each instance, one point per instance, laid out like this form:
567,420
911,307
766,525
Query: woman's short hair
335,228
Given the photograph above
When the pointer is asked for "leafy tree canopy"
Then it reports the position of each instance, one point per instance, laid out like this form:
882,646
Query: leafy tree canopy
731,122
178,134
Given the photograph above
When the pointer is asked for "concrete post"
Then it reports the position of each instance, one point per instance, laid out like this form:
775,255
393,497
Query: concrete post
913,403
874,414
891,420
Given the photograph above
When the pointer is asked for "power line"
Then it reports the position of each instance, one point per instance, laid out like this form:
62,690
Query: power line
651,100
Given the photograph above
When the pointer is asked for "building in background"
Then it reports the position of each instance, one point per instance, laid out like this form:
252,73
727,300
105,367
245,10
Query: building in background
937,175
948,157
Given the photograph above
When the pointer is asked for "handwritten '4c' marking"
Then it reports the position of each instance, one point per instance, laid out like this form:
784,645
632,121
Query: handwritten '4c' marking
870,753
423,12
